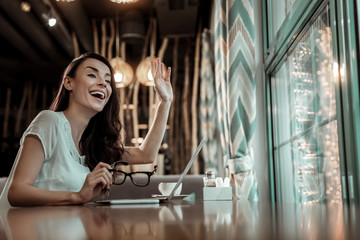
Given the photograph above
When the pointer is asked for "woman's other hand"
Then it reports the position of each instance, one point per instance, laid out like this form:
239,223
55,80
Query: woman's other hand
100,178
162,80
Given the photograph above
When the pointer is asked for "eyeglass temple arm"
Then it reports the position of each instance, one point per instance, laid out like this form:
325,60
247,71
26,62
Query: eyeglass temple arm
155,170
121,162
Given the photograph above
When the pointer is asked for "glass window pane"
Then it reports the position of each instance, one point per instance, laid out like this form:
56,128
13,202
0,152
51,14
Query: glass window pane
281,108
278,11
329,151
309,167
304,118
285,174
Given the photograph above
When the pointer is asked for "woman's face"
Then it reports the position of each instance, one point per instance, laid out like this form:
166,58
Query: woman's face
90,88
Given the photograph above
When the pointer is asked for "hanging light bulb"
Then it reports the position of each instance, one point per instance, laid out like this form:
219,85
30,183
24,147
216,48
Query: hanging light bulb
25,6
118,77
52,21
123,72
150,76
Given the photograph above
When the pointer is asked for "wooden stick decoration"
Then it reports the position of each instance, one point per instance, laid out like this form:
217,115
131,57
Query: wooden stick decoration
153,38
76,44
127,96
103,37
34,100
20,110
185,101
162,49
6,119
129,110
179,133
136,88
121,113
44,97
194,109
28,113
172,143
111,40
122,96
134,113
95,36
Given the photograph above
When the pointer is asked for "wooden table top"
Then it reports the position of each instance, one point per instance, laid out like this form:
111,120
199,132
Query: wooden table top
182,220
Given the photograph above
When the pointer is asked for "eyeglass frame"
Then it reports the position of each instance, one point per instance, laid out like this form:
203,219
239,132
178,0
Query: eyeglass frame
149,174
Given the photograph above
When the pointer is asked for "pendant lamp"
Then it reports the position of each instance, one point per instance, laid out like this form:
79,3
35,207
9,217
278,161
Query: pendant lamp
123,72
143,72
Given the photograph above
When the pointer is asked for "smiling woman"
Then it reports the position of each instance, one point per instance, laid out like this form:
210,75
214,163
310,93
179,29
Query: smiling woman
93,79
66,152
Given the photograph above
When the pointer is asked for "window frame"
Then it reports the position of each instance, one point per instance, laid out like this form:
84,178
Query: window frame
347,92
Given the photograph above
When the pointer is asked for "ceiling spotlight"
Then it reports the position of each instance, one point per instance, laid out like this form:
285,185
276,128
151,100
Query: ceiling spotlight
52,21
25,6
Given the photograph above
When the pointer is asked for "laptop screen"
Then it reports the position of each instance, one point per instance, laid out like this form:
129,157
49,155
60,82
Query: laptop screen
187,168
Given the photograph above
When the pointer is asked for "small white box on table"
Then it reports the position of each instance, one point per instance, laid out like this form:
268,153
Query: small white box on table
217,193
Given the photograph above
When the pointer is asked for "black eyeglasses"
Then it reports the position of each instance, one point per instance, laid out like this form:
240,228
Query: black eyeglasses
140,179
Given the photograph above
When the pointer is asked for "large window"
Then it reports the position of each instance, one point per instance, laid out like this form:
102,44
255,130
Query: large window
312,94
306,151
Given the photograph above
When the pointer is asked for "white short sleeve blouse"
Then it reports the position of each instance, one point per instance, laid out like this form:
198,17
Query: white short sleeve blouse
63,169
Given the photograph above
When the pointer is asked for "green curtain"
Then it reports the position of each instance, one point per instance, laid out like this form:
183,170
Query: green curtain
236,91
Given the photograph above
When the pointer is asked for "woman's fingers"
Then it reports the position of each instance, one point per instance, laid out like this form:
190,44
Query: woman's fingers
168,74
101,175
100,178
102,165
103,179
159,70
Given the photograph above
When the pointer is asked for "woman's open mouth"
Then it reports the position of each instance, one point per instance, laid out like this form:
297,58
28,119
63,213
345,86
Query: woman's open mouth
98,94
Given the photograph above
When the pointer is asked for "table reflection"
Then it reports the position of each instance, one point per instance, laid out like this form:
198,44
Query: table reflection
308,221
184,220
57,223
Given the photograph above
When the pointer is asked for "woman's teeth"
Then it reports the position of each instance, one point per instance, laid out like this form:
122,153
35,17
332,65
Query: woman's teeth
97,94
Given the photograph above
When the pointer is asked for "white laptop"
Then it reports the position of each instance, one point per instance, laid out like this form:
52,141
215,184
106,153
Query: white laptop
158,199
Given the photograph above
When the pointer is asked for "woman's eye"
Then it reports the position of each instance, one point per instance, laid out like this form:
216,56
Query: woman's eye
91,75
108,81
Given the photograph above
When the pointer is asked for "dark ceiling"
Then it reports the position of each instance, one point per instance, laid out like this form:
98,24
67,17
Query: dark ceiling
29,48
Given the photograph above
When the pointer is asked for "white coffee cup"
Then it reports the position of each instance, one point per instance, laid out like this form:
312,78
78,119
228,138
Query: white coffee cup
165,188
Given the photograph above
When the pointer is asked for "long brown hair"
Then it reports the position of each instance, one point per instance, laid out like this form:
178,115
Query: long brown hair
100,141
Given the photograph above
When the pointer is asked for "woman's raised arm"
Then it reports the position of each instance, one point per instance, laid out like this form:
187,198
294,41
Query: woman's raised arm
148,150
